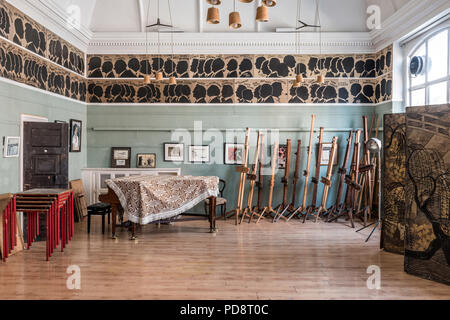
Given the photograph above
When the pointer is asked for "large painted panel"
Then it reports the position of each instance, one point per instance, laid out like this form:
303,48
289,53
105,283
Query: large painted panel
427,252
27,33
394,174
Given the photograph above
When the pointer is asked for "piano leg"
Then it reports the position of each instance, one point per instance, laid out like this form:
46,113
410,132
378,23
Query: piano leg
212,215
114,217
133,231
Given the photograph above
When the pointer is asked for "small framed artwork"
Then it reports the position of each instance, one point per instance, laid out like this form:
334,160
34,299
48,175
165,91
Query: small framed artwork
325,155
234,153
75,135
199,154
282,155
120,157
11,147
146,160
173,152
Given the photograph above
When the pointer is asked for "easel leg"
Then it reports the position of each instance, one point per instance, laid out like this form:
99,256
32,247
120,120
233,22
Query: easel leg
133,231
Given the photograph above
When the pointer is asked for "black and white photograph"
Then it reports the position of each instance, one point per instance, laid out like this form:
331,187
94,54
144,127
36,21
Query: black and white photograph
11,147
120,157
173,152
199,154
75,135
233,153
146,160
326,153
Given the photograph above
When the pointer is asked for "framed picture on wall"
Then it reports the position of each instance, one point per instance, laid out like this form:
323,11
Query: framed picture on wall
75,135
11,147
120,157
199,154
282,155
234,153
325,156
173,152
146,160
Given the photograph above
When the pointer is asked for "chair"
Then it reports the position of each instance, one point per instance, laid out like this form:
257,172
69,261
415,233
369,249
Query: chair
97,209
220,201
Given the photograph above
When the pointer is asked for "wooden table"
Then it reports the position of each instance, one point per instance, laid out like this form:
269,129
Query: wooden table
57,205
112,199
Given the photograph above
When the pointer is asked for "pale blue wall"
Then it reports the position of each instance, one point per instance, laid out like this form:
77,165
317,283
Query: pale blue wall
104,122
16,100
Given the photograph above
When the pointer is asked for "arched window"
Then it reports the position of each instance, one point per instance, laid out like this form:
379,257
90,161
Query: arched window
429,71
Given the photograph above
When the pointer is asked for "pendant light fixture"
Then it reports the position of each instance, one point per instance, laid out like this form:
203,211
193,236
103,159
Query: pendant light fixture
270,3
172,79
213,16
299,78
214,2
246,1
320,77
262,14
234,18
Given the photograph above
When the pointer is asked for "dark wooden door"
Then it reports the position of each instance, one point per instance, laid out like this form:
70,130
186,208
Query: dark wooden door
45,155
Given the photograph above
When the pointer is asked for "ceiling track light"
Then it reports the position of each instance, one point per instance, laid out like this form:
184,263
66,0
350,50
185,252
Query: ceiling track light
213,16
214,2
262,14
270,3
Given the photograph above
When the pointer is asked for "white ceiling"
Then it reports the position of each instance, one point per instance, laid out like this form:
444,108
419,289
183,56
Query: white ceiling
101,16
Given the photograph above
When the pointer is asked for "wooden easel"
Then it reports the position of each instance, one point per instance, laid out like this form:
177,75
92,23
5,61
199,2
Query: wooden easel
269,210
281,208
342,173
366,170
243,170
302,207
326,181
353,187
291,207
259,210
252,177
315,179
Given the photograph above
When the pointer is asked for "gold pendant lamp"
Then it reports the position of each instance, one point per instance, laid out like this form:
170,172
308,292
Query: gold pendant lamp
246,1
213,16
147,79
172,79
214,2
262,14
235,19
270,3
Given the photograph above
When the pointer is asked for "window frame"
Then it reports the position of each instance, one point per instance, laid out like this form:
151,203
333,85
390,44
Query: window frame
427,84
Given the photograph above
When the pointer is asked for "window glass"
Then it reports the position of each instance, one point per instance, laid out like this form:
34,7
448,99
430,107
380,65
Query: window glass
438,56
419,79
418,97
438,93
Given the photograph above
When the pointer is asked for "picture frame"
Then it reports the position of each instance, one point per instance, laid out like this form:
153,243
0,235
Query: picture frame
120,157
173,152
146,160
11,147
233,153
76,129
282,155
325,154
199,154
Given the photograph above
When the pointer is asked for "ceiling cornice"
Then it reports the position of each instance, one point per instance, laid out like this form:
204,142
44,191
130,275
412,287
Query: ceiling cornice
231,43
407,20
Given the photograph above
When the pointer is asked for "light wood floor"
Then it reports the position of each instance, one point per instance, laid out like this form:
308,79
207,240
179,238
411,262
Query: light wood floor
265,261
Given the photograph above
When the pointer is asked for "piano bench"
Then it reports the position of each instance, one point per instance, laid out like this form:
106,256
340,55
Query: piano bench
99,209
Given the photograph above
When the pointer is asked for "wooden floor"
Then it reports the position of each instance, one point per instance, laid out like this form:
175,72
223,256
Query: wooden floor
183,261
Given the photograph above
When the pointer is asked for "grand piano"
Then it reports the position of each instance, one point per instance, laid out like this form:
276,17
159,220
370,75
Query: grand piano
127,192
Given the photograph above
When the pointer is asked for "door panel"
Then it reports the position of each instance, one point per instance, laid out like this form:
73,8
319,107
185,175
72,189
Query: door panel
45,155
